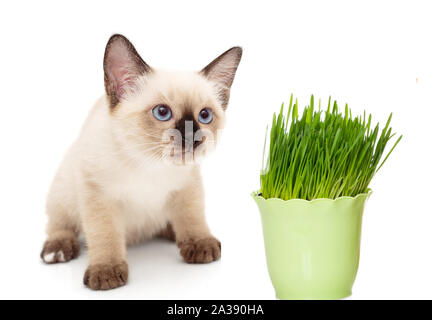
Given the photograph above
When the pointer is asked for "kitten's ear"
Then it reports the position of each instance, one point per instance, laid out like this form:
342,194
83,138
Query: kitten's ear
122,66
222,70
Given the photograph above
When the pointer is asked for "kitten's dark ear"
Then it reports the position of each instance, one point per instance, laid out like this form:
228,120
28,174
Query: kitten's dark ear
222,70
122,66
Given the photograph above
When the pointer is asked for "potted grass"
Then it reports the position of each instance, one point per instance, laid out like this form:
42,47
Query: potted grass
314,186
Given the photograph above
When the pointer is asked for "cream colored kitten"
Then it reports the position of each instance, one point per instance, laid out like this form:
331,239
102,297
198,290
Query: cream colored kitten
123,180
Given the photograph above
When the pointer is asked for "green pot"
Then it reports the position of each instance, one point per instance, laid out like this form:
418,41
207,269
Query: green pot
312,247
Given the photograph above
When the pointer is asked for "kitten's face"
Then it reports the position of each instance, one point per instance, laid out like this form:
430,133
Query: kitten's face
170,116
166,116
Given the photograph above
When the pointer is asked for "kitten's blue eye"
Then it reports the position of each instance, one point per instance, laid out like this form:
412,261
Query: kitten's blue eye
162,112
205,116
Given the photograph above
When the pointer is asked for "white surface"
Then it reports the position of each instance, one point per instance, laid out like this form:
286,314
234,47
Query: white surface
366,53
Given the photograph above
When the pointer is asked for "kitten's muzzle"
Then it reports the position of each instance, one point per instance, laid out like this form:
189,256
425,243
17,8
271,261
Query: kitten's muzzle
187,126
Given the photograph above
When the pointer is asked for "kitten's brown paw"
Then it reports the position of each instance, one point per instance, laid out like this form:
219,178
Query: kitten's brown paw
200,251
60,250
106,276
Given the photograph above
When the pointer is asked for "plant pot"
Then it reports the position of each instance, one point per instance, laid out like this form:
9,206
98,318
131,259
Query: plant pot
312,247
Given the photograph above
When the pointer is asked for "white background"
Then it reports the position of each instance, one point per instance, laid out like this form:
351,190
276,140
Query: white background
375,55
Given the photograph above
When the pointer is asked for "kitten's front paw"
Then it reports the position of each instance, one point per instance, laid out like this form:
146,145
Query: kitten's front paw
60,250
200,251
106,276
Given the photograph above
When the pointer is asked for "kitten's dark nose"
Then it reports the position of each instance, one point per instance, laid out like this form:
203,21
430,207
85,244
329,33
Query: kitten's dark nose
188,127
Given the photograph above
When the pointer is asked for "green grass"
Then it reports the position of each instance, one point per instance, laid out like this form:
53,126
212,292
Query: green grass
322,154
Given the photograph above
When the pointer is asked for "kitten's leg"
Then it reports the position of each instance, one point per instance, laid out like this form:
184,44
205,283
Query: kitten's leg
167,233
62,230
193,237
104,232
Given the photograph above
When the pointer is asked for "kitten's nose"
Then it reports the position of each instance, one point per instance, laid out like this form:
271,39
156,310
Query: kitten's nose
188,127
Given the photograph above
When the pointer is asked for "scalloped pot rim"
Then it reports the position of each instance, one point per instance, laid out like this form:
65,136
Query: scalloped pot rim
360,195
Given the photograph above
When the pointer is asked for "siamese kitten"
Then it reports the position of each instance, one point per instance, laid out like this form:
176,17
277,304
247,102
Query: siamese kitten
119,183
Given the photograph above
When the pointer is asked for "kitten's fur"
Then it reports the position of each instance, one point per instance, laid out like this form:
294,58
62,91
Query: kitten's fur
116,185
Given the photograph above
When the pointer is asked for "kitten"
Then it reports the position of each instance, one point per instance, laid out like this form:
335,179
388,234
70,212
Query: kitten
119,183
